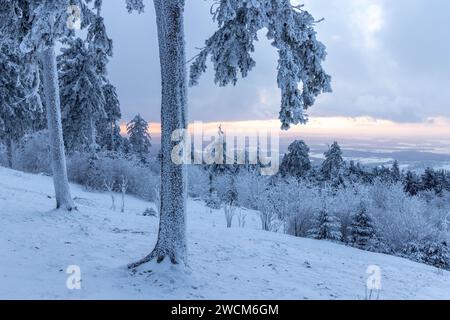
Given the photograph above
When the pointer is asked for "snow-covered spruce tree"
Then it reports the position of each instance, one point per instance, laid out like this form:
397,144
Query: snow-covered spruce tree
430,181
442,183
395,172
81,96
362,232
94,176
109,136
99,43
37,25
101,49
333,164
139,137
326,226
411,183
20,104
217,150
84,83
292,33
296,162
355,173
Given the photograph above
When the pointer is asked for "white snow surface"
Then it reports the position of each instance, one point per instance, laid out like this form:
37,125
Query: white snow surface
38,244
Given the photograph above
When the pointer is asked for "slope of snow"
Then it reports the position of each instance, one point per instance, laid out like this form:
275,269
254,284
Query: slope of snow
38,244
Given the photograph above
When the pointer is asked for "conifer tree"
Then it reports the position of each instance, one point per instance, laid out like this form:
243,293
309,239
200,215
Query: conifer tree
216,154
139,137
326,226
333,163
395,172
20,104
101,47
91,108
296,162
411,184
81,96
109,128
429,180
362,233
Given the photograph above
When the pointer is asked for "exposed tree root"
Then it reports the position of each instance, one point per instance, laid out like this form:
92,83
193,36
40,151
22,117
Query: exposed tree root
158,254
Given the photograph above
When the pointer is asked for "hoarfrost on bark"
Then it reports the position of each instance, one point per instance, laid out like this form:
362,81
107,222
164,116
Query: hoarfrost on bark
51,88
172,229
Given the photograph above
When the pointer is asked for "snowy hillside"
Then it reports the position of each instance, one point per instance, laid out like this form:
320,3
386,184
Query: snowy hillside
38,244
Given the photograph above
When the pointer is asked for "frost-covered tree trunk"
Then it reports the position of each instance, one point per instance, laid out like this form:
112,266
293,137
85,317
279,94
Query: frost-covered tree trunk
9,152
172,230
52,99
92,135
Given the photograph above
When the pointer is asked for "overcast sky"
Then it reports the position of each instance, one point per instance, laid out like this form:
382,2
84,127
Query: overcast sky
389,59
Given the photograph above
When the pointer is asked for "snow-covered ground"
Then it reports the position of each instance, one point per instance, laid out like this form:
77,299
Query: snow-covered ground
38,244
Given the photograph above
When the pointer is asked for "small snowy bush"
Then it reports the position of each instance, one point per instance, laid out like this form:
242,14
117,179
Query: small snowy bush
92,172
230,212
197,182
434,253
399,218
3,157
33,153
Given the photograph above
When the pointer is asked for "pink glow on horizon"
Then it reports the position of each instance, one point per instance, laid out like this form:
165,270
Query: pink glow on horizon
332,127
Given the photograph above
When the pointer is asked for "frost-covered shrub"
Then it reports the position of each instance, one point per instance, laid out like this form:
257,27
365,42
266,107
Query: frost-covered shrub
299,223
113,168
249,187
212,200
300,212
95,175
438,211
437,254
3,157
343,203
399,218
241,217
380,194
77,167
258,193
33,154
434,253
269,221
197,182
230,212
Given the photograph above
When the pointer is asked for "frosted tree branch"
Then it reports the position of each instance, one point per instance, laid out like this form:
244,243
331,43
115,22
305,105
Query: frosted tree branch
301,77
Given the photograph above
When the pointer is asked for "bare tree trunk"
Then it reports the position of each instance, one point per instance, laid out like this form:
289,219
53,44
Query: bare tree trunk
172,229
53,106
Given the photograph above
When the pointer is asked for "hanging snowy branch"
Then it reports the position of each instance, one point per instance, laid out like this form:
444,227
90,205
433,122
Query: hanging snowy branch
38,24
135,5
301,77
